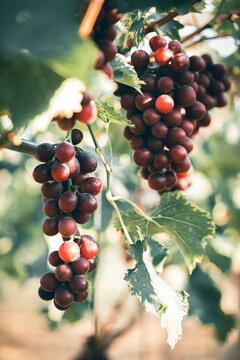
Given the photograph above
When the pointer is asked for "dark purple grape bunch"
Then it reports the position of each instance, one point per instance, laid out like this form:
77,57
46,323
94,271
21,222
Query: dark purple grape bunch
104,33
168,112
68,192
72,262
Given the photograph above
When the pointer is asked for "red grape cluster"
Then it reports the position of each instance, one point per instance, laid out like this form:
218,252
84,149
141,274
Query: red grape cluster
67,283
177,93
87,115
68,194
104,34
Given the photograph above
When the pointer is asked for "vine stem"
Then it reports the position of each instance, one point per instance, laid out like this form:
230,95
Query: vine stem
108,169
203,38
21,145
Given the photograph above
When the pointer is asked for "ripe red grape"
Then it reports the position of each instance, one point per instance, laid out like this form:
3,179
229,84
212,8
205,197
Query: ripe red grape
173,118
50,208
175,46
65,152
163,56
88,249
128,102
68,202
74,167
88,114
157,181
80,217
50,227
164,104
92,185
165,84
109,49
161,161
87,203
41,173
79,298
49,282
88,162
140,59
67,226
60,171
63,272
51,189
45,295
78,180
78,284
54,259
76,136
180,62
150,82
63,296
44,152
137,142
157,42
159,130
142,157
186,95
177,154
69,251
81,266
151,116
176,136
145,101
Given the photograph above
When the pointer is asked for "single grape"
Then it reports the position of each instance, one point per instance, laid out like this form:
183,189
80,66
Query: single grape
68,202
205,121
173,118
107,70
157,42
165,84
140,127
80,217
49,282
163,56
145,101
41,173
140,59
61,308
63,272
78,180
60,171
50,208
127,133
204,80
151,116
137,142
157,181
74,167
88,249
188,144
196,111
87,203
51,189
45,295
109,32
109,49
81,266
44,152
142,157
176,136
186,78
65,152
159,130
128,102
217,87
67,226
218,71
54,259
88,114
183,166
144,172
150,82
69,251
76,136
177,154
180,62
208,59
186,95
188,126
66,124
78,284
92,185
221,100
164,104
88,162
197,63
93,264
111,17
50,227
226,82
161,161
171,179
154,145
175,46
63,296
79,298
209,102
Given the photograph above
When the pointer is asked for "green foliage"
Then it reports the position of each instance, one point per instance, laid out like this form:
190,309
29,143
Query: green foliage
125,73
110,113
182,221
181,5
134,26
205,302
157,296
221,261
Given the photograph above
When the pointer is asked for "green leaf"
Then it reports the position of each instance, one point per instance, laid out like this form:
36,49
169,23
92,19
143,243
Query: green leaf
125,73
163,6
223,262
157,296
26,88
110,113
184,222
205,302
43,28
134,24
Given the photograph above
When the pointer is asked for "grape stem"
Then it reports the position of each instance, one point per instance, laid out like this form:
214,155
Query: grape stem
108,169
21,145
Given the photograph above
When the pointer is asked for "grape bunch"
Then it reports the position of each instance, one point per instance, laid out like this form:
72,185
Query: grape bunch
67,283
177,94
104,33
87,115
68,193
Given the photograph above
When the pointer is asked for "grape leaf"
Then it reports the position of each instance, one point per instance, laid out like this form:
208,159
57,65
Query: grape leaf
164,6
223,262
125,73
134,23
157,296
184,222
205,302
108,113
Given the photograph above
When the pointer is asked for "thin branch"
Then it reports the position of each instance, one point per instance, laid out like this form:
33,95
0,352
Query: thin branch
203,38
25,146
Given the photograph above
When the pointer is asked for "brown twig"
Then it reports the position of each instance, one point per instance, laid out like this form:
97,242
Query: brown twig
219,19
23,146
206,38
